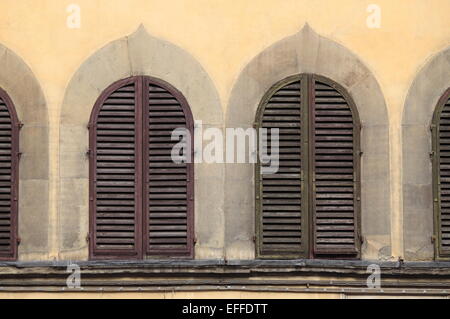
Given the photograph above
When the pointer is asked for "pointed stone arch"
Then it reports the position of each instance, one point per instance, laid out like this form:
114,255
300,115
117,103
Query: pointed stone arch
136,54
428,87
24,90
308,52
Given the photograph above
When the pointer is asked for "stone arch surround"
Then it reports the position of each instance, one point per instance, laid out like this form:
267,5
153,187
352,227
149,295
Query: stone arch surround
136,54
430,83
308,52
22,86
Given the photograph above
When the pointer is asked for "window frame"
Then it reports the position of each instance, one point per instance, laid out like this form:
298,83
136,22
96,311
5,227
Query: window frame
141,200
307,84
439,253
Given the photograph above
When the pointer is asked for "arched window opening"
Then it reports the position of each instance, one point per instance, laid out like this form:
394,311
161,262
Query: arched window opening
440,128
141,201
310,207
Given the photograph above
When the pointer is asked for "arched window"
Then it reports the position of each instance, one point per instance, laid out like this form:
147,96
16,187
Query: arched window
141,202
441,175
310,207
9,177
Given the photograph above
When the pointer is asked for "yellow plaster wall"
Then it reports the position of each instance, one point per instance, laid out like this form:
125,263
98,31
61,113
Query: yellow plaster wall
224,35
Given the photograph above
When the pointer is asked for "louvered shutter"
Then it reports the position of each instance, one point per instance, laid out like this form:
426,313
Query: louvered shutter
335,178
9,140
141,201
279,195
114,196
310,206
443,176
169,190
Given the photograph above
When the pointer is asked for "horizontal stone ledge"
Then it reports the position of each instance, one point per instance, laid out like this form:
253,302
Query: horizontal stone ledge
227,266
107,282
222,262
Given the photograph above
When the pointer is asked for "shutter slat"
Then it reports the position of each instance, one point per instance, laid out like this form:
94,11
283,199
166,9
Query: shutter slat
334,207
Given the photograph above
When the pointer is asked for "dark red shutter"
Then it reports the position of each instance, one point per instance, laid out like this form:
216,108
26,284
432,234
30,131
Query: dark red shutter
170,186
335,178
444,177
9,148
141,201
116,216
280,196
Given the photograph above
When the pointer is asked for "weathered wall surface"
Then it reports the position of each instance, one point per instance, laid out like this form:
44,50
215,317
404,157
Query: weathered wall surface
223,36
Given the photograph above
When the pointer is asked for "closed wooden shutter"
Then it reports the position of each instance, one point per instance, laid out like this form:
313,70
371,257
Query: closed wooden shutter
170,185
114,184
441,143
335,175
280,196
141,201
310,206
9,143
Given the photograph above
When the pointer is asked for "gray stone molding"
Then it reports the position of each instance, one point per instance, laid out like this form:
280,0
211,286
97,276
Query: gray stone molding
19,82
427,88
137,54
307,52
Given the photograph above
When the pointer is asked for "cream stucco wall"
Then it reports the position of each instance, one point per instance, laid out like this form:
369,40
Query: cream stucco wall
224,36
